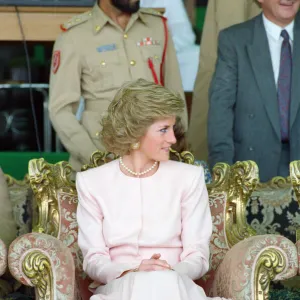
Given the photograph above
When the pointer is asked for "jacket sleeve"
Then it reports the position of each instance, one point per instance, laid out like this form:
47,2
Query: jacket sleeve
222,99
65,93
196,230
96,259
172,77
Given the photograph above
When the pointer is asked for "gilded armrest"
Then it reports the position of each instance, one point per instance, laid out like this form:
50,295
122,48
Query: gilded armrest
250,266
44,262
3,258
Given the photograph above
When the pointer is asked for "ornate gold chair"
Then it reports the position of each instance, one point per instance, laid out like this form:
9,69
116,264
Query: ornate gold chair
43,259
242,264
273,208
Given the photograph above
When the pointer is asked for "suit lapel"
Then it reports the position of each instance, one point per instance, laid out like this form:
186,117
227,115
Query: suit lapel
260,57
295,96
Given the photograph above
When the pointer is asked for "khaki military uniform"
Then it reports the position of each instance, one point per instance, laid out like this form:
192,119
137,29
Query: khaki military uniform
219,15
92,59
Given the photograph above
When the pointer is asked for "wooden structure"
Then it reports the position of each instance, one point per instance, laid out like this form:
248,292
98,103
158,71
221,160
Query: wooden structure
39,23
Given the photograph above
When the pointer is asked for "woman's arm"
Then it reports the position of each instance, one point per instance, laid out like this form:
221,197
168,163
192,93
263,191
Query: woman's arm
96,259
196,230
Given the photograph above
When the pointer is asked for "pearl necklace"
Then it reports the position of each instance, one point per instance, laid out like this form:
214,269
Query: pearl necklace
137,173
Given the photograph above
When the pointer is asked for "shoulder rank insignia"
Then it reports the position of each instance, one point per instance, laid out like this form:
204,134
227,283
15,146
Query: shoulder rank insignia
153,11
76,20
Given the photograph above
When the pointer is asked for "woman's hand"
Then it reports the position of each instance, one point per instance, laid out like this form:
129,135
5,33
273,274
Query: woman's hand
154,264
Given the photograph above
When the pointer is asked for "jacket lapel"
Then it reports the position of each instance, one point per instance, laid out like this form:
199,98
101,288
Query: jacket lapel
295,97
260,58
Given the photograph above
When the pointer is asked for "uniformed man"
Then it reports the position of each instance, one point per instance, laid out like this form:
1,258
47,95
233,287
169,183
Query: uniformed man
97,52
219,15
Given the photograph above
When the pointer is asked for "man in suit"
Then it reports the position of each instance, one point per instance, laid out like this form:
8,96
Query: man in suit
255,92
220,14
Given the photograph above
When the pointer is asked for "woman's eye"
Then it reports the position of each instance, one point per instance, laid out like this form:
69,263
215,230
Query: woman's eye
164,130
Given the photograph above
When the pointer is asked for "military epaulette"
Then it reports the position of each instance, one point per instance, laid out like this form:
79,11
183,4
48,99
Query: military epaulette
153,11
76,20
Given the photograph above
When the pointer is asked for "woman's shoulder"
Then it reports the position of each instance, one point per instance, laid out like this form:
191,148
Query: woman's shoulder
183,169
99,172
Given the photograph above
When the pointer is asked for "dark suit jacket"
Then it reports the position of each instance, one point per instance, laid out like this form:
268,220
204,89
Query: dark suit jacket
243,120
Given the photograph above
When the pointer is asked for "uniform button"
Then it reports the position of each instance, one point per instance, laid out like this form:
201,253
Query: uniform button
251,116
251,149
97,28
97,134
125,36
132,62
77,20
103,63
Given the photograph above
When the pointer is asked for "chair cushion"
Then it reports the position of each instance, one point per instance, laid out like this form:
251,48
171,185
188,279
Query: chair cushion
8,230
274,211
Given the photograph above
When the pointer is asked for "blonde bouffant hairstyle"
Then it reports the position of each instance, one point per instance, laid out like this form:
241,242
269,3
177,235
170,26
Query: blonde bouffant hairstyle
135,107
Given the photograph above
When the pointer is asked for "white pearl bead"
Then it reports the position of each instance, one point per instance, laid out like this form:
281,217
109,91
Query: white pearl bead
137,173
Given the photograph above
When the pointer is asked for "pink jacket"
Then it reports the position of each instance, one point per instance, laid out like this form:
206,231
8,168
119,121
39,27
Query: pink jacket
123,220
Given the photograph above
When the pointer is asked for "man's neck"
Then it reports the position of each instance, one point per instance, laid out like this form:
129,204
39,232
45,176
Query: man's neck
115,14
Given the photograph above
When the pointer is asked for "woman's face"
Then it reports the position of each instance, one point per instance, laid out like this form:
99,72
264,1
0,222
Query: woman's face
156,143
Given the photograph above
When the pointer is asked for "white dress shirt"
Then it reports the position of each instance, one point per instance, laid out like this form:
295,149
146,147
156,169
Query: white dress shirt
275,42
183,37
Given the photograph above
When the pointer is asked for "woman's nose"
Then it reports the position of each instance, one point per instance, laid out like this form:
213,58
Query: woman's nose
171,137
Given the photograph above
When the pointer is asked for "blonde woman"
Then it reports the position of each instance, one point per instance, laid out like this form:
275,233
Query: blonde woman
144,220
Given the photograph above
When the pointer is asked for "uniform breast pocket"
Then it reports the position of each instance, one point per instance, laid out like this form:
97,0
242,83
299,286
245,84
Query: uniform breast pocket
154,54
103,68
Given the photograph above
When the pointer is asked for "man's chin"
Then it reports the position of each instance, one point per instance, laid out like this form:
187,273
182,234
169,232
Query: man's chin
127,8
